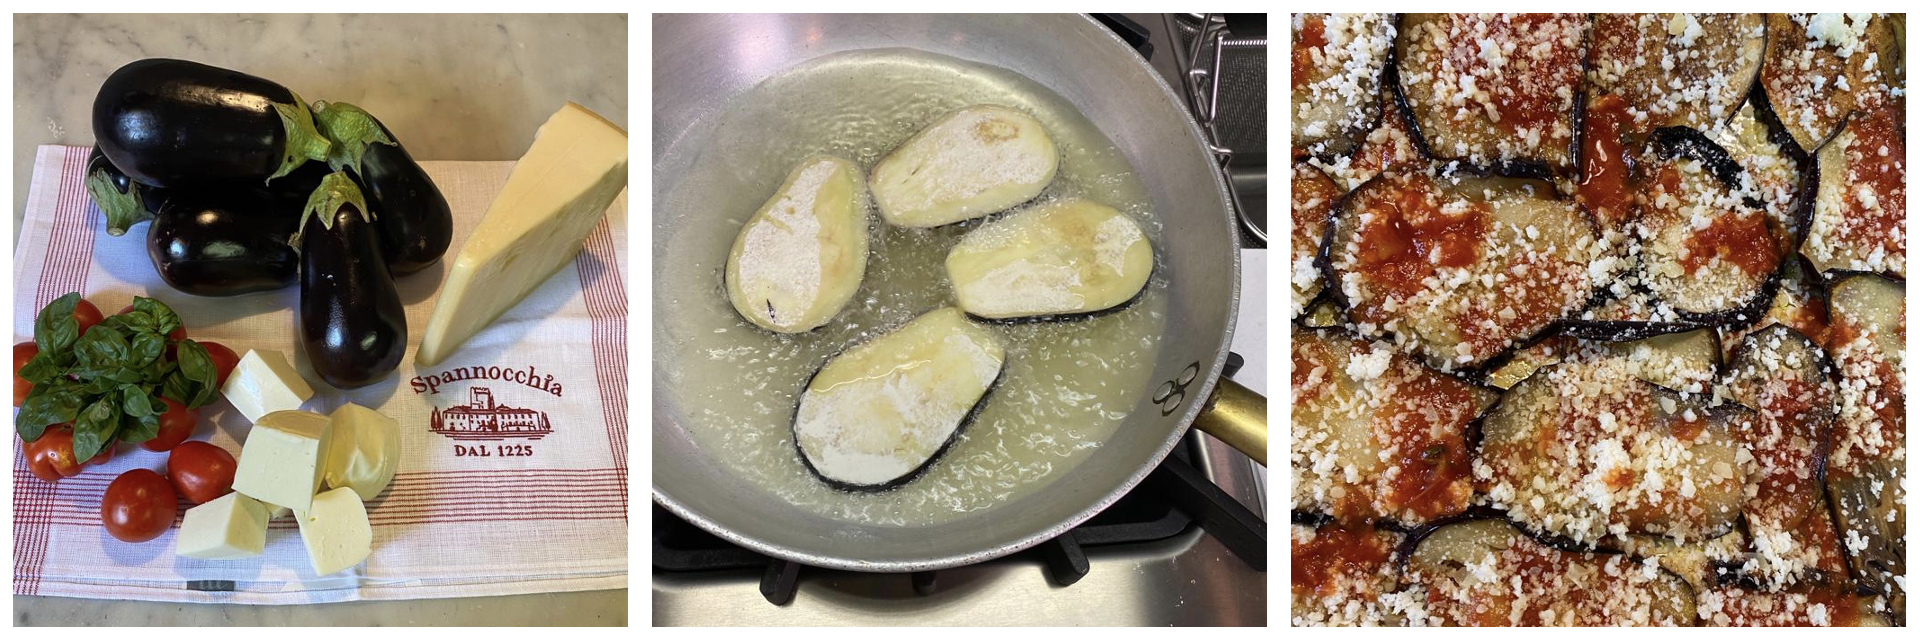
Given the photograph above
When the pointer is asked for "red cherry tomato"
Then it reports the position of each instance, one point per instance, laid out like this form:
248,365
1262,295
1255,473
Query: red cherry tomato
178,333
224,360
21,354
50,458
176,425
138,506
87,314
201,471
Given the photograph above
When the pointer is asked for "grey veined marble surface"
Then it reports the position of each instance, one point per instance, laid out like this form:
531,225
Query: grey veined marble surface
451,87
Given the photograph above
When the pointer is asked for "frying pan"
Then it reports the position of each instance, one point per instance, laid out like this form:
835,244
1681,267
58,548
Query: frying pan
702,62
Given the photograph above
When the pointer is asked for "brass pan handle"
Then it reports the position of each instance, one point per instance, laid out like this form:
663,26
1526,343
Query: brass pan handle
1237,416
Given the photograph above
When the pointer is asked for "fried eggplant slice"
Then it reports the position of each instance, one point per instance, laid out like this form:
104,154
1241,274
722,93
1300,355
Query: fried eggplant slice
1063,258
801,257
1866,470
1676,69
1786,378
1820,67
1314,195
873,417
1376,434
1493,90
1707,246
1343,575
1489,573
1458,269
1584,449
1859,212
1337,63
977,161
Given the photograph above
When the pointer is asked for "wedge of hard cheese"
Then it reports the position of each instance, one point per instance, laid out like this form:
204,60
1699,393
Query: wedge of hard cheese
554,197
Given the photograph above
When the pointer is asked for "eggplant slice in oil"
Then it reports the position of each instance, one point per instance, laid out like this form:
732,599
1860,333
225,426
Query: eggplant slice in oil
976,161
1066,258
875,416
801,257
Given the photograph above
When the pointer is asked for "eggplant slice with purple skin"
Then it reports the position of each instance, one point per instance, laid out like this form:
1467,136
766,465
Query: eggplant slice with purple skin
1859,209
1866,468
1680,69
1060,259
876,415
1710,251
1513,109
1814,83
1488,571
1336,87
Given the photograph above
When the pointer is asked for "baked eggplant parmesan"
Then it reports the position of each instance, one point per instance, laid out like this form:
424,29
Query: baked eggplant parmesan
1657,263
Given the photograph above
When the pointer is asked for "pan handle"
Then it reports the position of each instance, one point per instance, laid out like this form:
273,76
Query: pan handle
1237,416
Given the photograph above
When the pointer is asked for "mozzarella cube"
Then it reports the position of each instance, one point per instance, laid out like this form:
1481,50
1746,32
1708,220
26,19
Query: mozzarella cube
264,382
336,531
363,450
282,460
228,527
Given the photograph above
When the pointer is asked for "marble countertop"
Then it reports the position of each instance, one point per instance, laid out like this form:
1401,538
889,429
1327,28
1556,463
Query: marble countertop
451,87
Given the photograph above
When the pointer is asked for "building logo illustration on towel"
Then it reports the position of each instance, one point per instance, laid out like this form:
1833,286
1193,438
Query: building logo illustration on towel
484,427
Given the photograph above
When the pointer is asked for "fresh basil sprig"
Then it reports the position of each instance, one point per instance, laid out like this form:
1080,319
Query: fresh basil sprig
109,382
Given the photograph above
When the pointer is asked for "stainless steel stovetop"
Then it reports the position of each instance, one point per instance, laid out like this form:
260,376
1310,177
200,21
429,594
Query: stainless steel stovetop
1188,579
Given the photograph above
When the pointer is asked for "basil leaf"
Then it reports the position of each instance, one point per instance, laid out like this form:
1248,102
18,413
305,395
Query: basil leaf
197,368
47,405
146,347
163,317
137,430
43,368
103,349
93,428
54,329
134,402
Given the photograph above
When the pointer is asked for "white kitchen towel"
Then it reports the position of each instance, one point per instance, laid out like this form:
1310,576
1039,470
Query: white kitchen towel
463,517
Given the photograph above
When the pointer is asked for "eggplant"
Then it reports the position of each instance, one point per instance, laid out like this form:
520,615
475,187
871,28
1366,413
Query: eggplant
1709,250
799,260
123,201
352,323
1859,210
225,242
874,417
1490,572
1314,195
1336,82
1679,69
415,223
1513,106
1344,575
1066,258
973,162
172,123
1814,83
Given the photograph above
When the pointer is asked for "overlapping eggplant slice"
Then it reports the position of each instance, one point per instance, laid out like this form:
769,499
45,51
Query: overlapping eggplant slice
1786,378
1490,573
1867,466
1060,259
1686,361
1820,67
1314,196
1338,60
1800,303
1708,248
875,416
1493,90
1859,212
1343,573
1458,268
1676,69
1583,449
1377,435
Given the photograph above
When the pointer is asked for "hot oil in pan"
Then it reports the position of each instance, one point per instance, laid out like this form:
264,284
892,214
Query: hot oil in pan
1068,385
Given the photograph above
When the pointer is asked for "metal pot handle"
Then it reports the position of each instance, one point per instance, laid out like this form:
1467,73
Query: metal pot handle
1237,416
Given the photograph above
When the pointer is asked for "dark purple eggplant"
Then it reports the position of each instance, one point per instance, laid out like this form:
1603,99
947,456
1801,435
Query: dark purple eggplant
123,201
414,221
225,242
171,123
352,323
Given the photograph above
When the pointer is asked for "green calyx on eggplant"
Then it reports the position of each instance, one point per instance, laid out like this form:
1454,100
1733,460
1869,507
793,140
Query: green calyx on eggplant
225,242
352,323
169,123
122,200
415,223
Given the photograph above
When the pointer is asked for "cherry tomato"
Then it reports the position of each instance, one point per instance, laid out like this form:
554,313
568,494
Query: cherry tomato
224,360
176,425
138,506
201,471
178,333
51,457
87,314
21,354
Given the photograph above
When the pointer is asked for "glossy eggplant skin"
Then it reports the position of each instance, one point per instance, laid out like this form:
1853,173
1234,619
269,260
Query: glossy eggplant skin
352,323
170,123
414,221
123,201
224,242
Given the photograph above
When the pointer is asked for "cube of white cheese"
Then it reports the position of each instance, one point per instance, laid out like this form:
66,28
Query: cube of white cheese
363,450
227,527
556,194
264,382
281,462
336,531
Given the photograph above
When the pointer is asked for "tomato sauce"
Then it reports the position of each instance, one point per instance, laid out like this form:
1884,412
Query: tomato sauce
1525,92
1603,180
1311,37
1883,175
1740,239
1428,427
1408,237
1337,551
